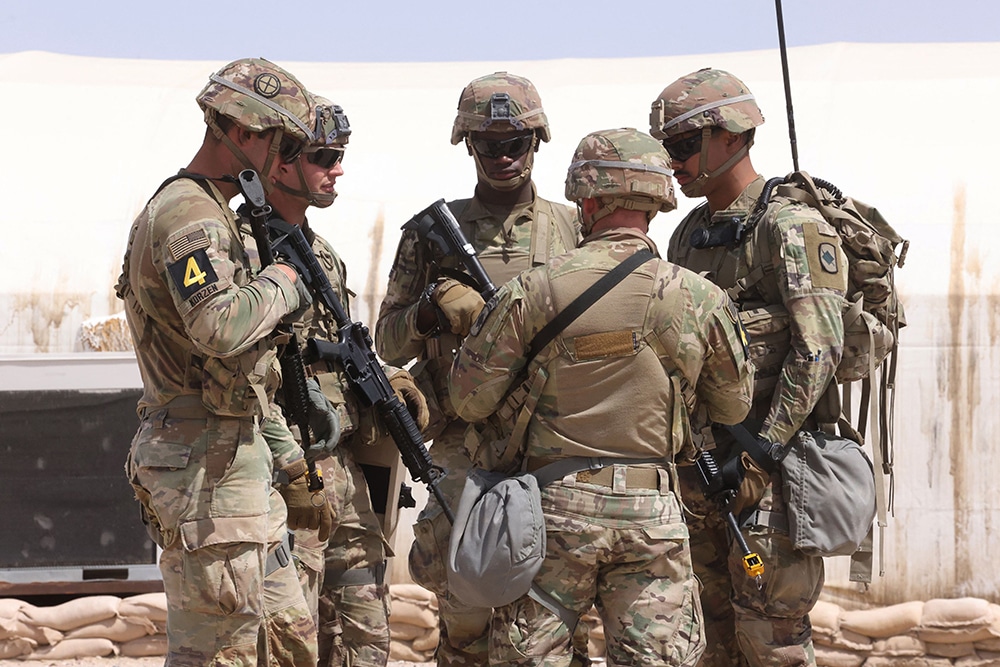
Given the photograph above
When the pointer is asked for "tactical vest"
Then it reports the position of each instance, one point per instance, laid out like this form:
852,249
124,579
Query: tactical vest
516,249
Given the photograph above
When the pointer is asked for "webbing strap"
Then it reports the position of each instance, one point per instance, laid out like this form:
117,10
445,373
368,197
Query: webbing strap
568,617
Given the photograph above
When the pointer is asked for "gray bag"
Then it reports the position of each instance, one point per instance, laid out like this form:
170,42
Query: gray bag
829,485
497,542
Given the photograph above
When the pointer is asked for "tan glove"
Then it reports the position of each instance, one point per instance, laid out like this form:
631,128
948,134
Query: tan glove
306,509
751,489
460,304
405,387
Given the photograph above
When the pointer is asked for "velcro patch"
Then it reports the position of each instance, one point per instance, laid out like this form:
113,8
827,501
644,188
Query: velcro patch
825,265
194,277
607,344
184,245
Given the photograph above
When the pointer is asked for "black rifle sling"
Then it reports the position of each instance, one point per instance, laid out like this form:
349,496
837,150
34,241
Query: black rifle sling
581,303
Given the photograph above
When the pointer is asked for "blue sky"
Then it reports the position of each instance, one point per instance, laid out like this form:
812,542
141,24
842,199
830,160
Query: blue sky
449,30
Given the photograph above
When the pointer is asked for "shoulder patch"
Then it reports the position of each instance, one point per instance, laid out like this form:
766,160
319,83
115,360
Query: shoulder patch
484,314
194,277
186,243
824,256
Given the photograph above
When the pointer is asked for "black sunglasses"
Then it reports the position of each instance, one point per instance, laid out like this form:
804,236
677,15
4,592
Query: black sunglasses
513,147
325,158
682,150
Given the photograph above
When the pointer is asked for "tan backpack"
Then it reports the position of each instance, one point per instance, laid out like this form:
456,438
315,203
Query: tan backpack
873,314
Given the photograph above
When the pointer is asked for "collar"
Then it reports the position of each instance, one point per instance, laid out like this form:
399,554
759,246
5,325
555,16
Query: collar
742,205
479,210
624,236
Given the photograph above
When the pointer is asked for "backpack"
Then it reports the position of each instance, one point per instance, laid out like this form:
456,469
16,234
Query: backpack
873,314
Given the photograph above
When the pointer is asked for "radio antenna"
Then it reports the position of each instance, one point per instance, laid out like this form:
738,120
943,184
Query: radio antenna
788,86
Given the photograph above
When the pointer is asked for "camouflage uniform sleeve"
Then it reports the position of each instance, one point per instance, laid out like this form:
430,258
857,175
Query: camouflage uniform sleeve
198,258
396,338
492,355
279,439
812,279
710,348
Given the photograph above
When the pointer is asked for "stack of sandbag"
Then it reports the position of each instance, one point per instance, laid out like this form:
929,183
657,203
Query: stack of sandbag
963,632
106,334
413,623
98,625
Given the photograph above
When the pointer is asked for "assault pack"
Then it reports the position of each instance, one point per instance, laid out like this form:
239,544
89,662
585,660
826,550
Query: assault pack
873,314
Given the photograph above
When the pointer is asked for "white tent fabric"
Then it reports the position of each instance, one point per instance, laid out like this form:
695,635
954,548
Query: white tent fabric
905,127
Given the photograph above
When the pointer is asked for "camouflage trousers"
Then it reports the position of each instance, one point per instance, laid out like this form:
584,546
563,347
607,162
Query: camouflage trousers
344,579
205,489
745,624
622,549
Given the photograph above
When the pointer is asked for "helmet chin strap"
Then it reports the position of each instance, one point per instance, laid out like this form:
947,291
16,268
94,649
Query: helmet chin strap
512,183
696,188
272,152
317,199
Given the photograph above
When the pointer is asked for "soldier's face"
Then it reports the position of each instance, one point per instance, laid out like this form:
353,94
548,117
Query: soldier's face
502,154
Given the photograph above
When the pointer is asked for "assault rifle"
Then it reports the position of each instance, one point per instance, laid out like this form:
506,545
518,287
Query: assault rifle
355,355
293,383
715,489
436,225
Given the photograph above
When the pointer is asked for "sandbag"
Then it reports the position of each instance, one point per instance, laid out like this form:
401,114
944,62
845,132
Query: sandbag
412,612
116,629
957,612
401,651
152,645
148,605
897,619
914,661
40,635
73,614
427,642
950,650
91,647
899,646
413,592
16,647
836,657
825,619
10,606
405,632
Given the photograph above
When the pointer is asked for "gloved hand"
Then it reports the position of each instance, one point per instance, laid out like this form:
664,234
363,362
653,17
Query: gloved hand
305,299
306,509
405,387
324,421
459,303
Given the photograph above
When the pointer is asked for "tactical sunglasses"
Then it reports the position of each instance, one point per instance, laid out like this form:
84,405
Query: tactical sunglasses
513,147
325,158
290,149
681,150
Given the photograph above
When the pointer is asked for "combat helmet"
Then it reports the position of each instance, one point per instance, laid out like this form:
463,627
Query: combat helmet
331,132
704,100
258,96
501,102
621,168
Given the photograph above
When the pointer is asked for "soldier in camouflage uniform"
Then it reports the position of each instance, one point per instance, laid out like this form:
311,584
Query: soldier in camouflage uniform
343,577
201,462
501,121
788,276
617,383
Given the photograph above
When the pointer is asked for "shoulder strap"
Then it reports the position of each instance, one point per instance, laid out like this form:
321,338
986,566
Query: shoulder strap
581,303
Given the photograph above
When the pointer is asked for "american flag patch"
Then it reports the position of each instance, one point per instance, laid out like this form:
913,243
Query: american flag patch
183,246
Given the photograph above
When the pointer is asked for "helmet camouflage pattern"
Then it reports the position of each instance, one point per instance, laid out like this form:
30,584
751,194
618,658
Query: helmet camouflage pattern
706,98
624,165
258,96
499,101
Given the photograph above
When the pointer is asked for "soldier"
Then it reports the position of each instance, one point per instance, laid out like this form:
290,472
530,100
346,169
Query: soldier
200,465
787,275
343,577
501,121
616,385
